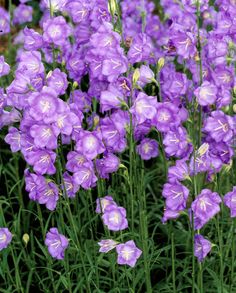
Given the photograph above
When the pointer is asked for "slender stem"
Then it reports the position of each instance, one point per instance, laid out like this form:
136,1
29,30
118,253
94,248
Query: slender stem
232,257
173,261
219,233
144,230
72,223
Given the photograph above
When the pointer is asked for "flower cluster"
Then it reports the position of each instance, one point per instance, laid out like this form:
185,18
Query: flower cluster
95,79
114,218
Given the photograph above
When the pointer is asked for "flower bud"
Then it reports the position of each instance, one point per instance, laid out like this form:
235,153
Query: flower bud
160,63
112,7
26,238
136,75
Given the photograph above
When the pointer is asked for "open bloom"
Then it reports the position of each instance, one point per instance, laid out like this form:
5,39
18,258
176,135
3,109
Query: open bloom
166,116
56,243
5,238
144,107
206,94
115,218
176,196
220,126
128,253
205,207
56,30
201,247
148,148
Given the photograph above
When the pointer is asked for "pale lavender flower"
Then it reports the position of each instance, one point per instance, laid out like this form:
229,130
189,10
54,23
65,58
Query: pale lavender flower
56,243
206,94
230,202
128,253
5,238
103,203
4,67
202,247
148,148
106,245
115,218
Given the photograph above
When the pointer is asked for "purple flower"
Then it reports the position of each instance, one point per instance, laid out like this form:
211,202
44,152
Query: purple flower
4,67
5,238
201,247
108,164
81,99
148,148
44,136
206,94
106,245
114,218
166,116
176,196
185,43
42,161
173,84
169,215
114,65
74,161
230,202
32,39
178,172
58,81
220,126
85,176
22,13
67,122
56,31
112,98
78,10
113,135
45,105
56,243
146,75
69,186
90,144
4,21
128,253
103,203
205,207
31,62
14,139
144,107
48,195
141,49
176,142
32,183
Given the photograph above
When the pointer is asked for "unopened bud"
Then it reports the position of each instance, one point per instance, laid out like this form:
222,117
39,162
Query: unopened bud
26,238
136,75
160,63
112,7
234,108
95,120
75,84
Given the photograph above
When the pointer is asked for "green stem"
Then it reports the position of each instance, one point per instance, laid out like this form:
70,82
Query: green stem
173,262
232,257
219,233
72,223
144,230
